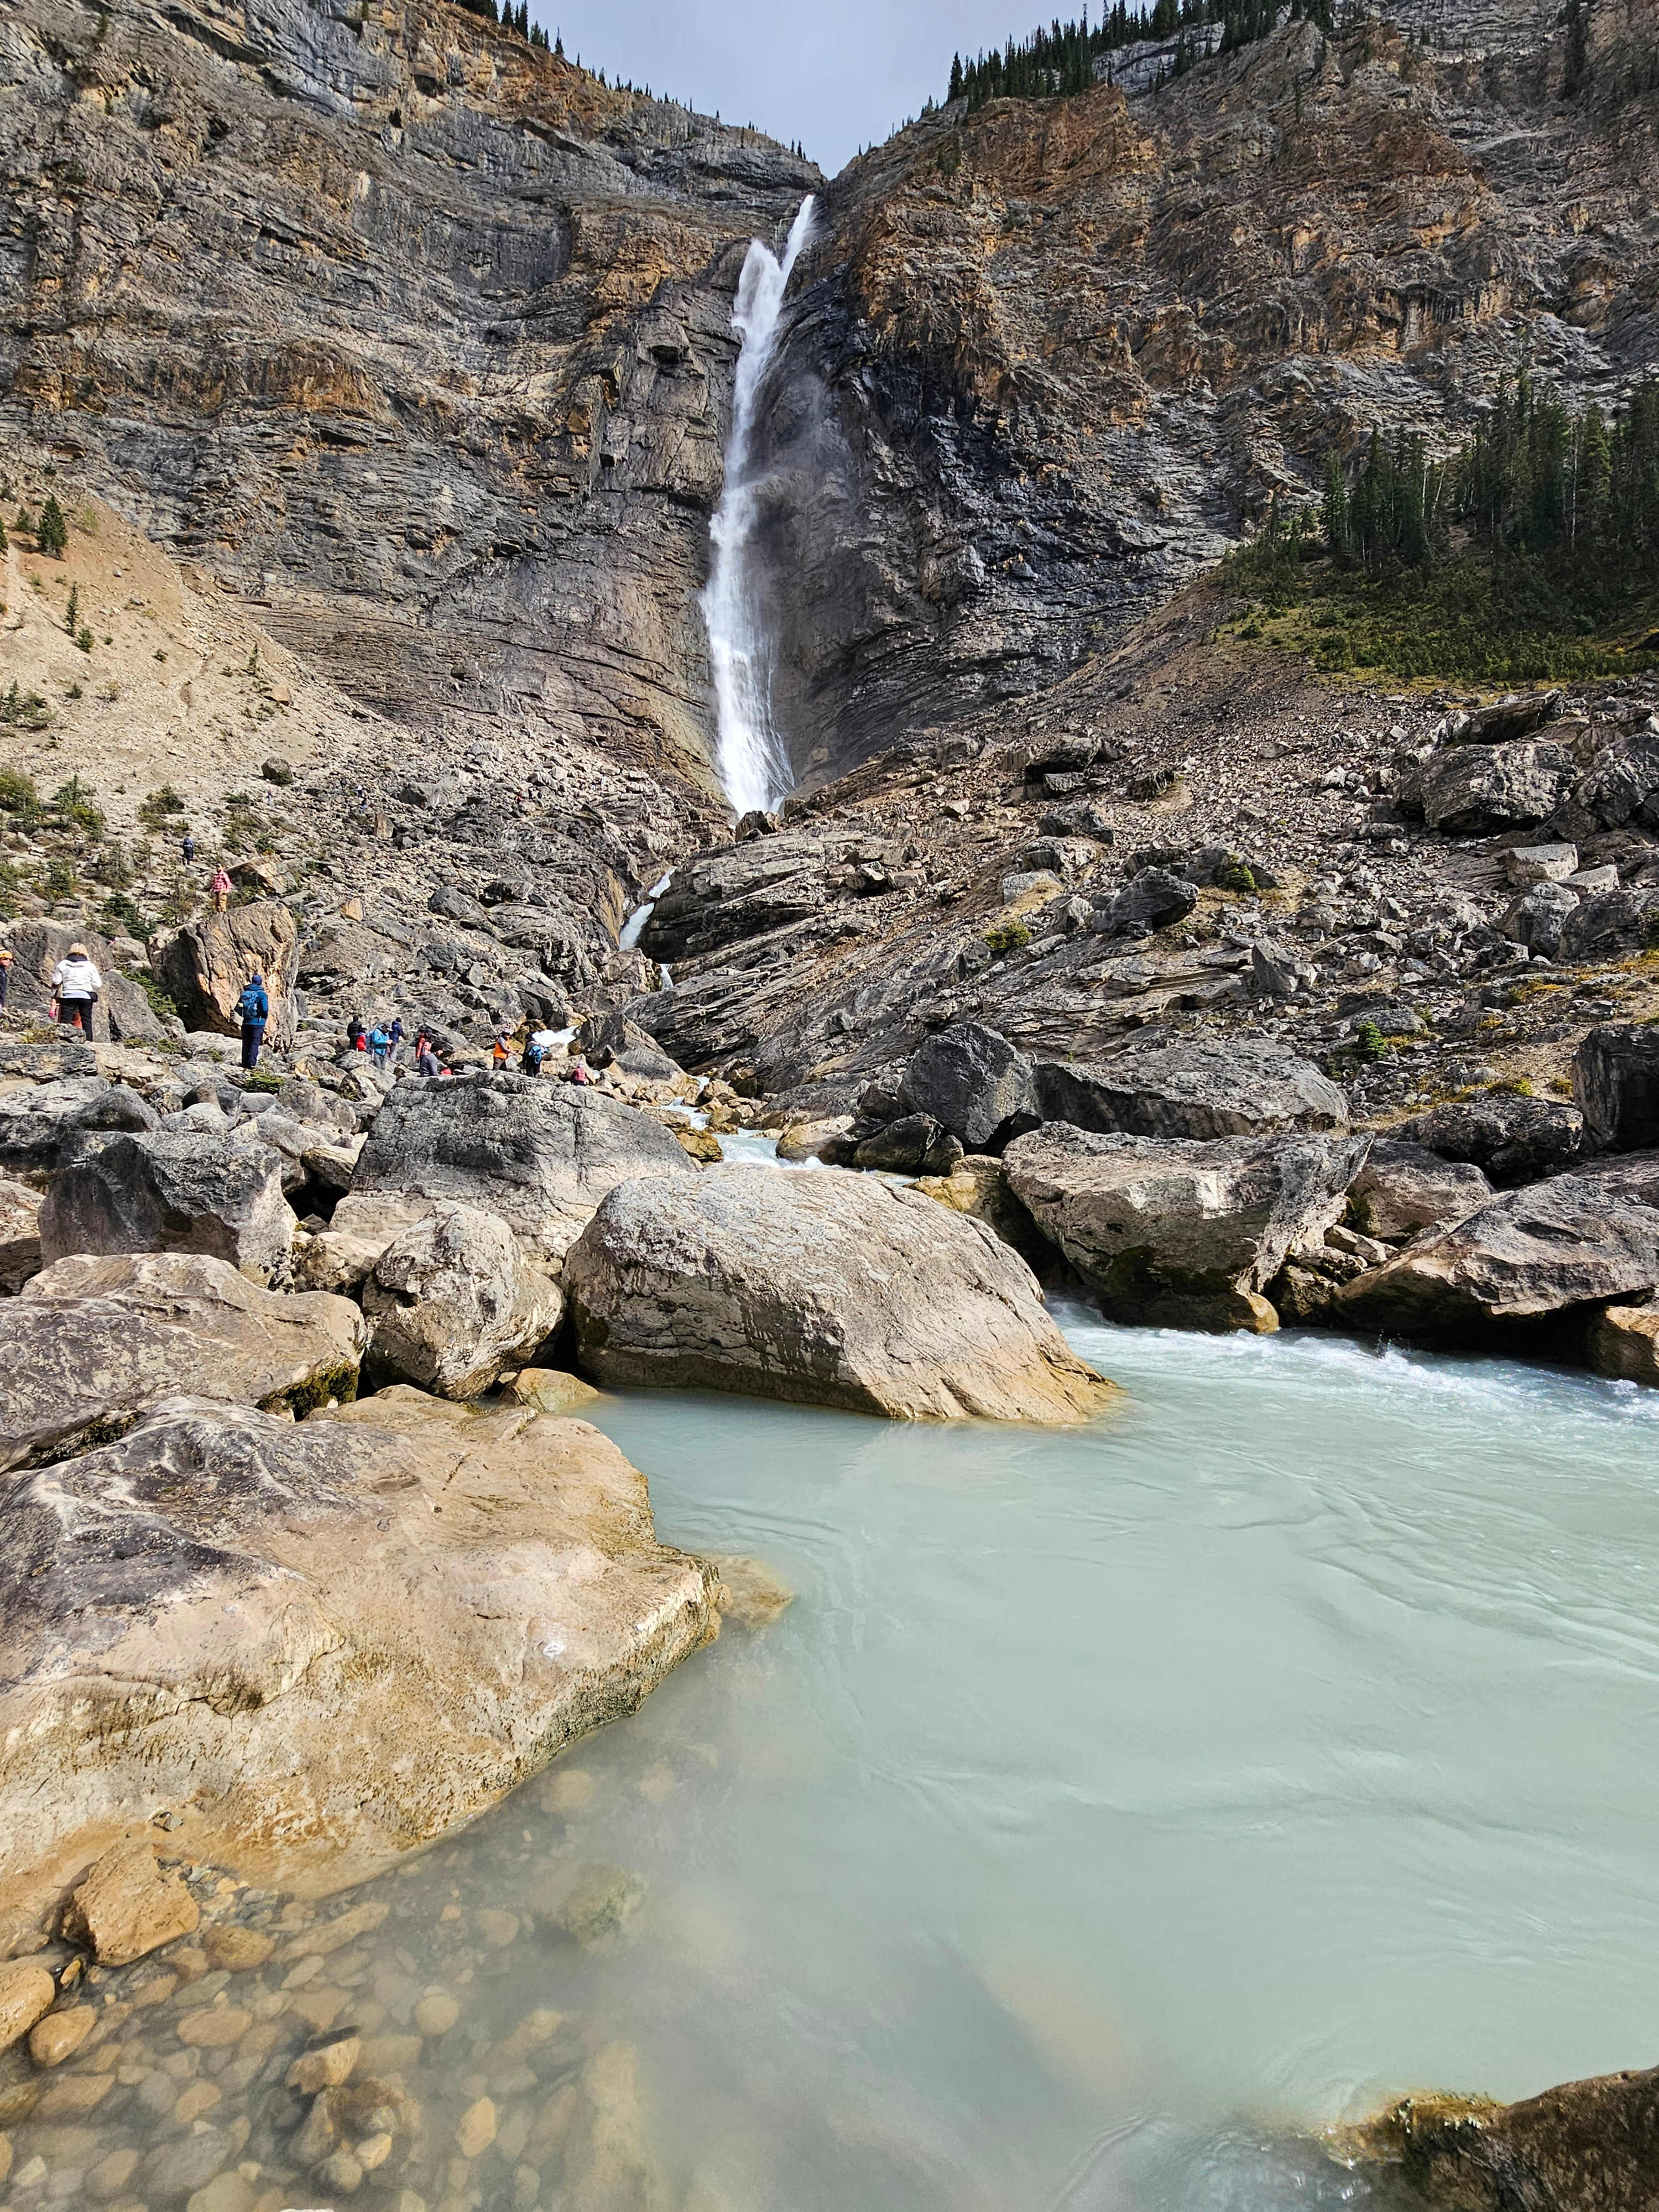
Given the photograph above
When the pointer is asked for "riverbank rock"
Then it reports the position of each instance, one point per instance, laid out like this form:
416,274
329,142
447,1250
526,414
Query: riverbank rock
1178,1233
1510,1138
972,1082
1531,1257
1589,2146
1615,1084
170,1191
341,1256
832,1290
1623,1343
540,1154
453,1301
93,1341
1204,1088
129,1906
1404,1187
316,1646
978,1185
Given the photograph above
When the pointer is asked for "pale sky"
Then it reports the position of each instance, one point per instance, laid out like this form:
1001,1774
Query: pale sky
834,75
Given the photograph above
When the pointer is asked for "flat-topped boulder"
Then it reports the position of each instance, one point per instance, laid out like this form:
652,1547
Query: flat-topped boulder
46,1126
93,1341
830,1290
453,1300
172,1191
1201,1088
540,1154
1533,1257
1179,1233
314,1647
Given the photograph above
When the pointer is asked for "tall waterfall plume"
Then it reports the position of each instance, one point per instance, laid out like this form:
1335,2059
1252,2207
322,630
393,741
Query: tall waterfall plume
751,756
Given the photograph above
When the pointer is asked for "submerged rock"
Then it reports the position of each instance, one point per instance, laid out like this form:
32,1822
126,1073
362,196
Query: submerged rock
1205,1088
93,1341
129,1906
831,1289
1531,1257
1180,1233
318,1646
540,1154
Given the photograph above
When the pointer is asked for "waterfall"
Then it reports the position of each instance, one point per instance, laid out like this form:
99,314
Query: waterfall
751,756
634,928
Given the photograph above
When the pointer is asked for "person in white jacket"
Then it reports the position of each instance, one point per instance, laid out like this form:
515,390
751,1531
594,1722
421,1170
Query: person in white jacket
76,984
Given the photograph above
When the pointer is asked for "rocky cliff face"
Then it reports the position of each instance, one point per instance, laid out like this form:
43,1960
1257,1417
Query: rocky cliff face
418,337
1047,359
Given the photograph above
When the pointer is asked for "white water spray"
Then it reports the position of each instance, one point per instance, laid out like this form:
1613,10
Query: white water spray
751,756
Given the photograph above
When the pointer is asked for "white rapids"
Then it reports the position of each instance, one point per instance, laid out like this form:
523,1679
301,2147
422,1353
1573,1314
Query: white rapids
752,757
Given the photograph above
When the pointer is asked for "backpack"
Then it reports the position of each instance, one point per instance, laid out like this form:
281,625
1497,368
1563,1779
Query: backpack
533,1057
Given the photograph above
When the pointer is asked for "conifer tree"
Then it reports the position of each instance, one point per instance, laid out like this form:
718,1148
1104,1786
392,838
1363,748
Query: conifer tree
53,534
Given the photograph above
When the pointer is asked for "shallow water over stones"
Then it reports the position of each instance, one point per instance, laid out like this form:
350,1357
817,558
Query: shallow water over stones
1107,1800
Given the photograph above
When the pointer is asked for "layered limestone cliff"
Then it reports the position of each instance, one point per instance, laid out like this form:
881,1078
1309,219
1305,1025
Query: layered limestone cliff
418,337
1048,359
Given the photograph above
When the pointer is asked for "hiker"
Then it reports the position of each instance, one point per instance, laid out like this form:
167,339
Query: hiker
187,849
395,1031
7,956
379,1045
426,1060
354,1033
534,1052
76,984
253,1008
220,889
502,1051
577,1072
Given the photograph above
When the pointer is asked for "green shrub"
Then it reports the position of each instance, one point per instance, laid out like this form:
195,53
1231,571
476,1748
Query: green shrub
1008,936
156,807
1369,1041
17,793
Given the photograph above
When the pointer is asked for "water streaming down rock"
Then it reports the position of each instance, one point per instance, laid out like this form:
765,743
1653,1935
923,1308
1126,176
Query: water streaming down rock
634,928
752,757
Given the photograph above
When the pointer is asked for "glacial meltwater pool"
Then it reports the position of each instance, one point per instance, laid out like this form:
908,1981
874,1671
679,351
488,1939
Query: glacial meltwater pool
1109,1804
1289,1740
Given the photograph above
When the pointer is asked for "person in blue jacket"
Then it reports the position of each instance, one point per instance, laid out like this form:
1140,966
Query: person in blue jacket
254,1009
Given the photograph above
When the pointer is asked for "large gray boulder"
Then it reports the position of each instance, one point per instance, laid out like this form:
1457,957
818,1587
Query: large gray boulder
453,1300
205,964
829,1289
1538,917
92,1342
1153,899
1608,923
1404,1188
1532,1257
971,1081
121,1015
1204,1088
173,1192
46,1126
1620,784
541,1154
1470,791
1182,1234
1511,1137
314,1648
1615,1083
